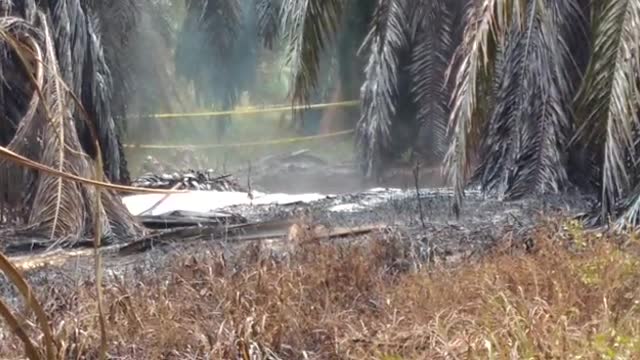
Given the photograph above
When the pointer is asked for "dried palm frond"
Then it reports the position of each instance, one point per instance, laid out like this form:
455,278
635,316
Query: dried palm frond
83,68
609,98
386,43
16,91
528,133
433,46
486,25
47,133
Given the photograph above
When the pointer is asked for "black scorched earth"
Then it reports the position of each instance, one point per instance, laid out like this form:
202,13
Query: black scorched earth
423,227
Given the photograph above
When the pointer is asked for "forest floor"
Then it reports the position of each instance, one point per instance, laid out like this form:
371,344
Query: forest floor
512,280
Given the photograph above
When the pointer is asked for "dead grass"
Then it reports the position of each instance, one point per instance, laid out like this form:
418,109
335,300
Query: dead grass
354,302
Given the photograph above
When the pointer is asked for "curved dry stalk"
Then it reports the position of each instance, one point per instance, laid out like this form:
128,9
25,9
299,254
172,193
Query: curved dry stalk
30,349
99,209
28,163
27,293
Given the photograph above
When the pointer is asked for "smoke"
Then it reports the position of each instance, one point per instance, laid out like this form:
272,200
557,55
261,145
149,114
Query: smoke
199,55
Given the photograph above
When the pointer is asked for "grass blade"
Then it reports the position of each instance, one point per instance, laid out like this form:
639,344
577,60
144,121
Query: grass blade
29,347
25,290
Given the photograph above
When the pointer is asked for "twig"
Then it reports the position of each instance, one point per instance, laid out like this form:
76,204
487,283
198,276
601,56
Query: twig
165,197
250,194
98,256
416,178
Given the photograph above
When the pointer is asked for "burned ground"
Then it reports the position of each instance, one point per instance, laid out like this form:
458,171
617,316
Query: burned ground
188,284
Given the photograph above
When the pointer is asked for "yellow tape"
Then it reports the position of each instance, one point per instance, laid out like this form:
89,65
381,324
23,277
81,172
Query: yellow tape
250,111
246,144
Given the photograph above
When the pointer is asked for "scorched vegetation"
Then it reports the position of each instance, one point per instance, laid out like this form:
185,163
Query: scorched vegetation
521,98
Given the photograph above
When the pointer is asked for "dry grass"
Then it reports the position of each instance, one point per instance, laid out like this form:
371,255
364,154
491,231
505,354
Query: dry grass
337,302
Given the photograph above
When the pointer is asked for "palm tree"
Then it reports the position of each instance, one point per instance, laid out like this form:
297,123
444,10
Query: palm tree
56,94
103,61
566,103
518,97
538,96
404,50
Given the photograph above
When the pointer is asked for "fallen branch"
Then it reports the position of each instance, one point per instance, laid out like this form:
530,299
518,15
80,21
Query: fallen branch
272,230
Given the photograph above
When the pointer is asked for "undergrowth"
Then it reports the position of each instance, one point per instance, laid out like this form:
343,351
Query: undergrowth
571,295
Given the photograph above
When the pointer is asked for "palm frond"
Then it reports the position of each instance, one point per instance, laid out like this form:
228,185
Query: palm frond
385,43
432,51
119,24
532,118
308,28
512,101
354,27
609,98
137,38
83,67
96,93
206,47
268,21
487,22
16,91
20,129
47,134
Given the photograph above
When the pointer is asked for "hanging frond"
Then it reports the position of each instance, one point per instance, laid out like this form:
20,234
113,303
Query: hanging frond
84,70
55,209
308,28
96,93
268,21
527,137
217,49
16,91
119,25
542,162
46,206
433,46
513,101
386,41
609,98
354,27
487,22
